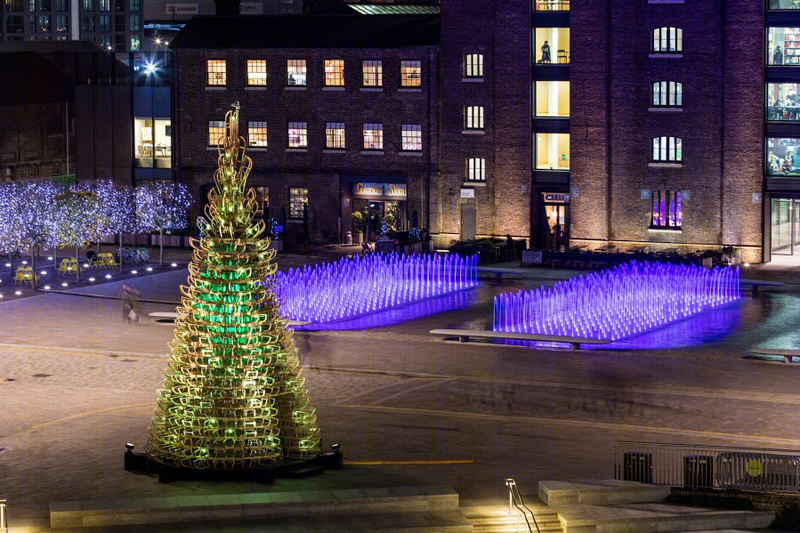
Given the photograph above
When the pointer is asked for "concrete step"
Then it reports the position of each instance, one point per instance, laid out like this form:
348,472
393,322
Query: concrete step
656,517
419,522
492,516
600,492
252,506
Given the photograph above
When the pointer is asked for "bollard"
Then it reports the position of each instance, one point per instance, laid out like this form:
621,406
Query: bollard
3,517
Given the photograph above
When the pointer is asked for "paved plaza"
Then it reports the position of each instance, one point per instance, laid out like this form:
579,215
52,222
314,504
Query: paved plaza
78,383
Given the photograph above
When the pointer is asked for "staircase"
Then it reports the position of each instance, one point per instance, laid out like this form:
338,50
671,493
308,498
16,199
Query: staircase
492,516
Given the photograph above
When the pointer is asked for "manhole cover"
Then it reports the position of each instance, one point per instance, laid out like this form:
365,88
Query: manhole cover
42,375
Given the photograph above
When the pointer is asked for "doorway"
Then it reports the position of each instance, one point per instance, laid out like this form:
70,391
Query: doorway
785,228
555,223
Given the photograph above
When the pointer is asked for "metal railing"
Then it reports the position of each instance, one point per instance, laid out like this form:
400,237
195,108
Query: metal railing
714,467
515,502
3,517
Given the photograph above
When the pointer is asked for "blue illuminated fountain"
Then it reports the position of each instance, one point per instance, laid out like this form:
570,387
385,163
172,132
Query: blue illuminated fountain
361,285
618,303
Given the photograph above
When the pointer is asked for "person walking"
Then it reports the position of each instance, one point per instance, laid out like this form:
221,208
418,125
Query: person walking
777,56
129,297
545,53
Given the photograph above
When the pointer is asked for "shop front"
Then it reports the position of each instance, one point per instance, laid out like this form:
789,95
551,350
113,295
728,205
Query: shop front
785,229
380,202
554,222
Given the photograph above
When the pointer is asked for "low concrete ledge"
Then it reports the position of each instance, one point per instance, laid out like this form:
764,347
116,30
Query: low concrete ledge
600,492
656,518
465,334
109,513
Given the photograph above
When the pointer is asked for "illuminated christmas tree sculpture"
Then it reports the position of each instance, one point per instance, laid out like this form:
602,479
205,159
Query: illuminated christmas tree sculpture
233,398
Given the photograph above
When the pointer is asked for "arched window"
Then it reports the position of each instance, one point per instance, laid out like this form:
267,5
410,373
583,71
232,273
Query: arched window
668,40
667,94
667,149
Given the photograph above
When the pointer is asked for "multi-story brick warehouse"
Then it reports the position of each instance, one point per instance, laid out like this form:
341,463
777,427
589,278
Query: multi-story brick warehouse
338,112
562,123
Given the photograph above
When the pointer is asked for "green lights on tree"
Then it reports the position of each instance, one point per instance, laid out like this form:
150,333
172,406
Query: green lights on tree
233,396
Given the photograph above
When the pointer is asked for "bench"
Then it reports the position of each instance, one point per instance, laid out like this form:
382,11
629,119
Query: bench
465,334
756,284
500,271
786,354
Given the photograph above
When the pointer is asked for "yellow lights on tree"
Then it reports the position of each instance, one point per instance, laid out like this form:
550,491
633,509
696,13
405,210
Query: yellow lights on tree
233,397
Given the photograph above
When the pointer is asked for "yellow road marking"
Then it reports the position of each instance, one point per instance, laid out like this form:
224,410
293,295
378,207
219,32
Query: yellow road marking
419,462
89,413
576,423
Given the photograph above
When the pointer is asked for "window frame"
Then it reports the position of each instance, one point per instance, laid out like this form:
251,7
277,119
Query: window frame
333,133
302,129
475,171
473,66
667,149
411,137
376,127
255,69
407,77
470,118
377,66
263,138
335,74
215,126
668,93
666,210
292,202
296,64
661,45
213,71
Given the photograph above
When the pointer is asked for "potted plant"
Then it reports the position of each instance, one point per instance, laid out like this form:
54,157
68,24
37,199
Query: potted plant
359,225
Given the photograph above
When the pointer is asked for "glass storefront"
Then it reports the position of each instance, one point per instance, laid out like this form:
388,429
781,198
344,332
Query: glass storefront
785,226
783,157
556,220
777,5
783,102
153,142
783,46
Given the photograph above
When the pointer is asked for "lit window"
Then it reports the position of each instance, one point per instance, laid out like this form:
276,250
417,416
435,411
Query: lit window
552,151
783,156
135,22
782,102
44,23
262,200
61,23
216,69
667,94
298,135
473,66
412,137
136,43
667,210
782,46
334,135
373,136
216,131
551,5
473,117
552,99
372,73
410,74
256,72
258,134
298,199
551,46
88,5
667,40
105,5
334,72
296,72
476,169
667,149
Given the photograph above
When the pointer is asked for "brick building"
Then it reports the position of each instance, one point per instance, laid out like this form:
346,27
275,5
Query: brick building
338,113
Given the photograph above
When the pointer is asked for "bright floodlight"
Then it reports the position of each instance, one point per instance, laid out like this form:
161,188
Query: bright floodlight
47,287
50,258
617,303
91,279
8,264
174,265
362,285
134,272
44,272
18,293
65,284
149,68
24,262
86,265
108,276
149,269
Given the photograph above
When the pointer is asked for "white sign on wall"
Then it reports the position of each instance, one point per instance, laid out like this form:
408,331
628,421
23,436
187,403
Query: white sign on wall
252,8
183,9
467,193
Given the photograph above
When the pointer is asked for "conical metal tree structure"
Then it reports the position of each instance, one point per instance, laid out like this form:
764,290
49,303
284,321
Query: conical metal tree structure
233,397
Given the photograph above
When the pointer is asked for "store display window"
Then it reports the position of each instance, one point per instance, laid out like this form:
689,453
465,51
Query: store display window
783,157
783,46
783,102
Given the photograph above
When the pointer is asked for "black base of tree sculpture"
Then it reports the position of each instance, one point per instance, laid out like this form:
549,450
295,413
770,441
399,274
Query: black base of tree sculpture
233,404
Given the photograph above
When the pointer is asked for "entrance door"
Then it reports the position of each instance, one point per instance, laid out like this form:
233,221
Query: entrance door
785,225
557,224
467,221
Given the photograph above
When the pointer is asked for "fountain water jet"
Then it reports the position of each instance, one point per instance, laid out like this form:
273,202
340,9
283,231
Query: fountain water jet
618,303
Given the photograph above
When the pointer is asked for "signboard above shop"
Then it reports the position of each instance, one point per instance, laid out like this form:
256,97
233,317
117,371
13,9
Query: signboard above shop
183,9
555,197
380,191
